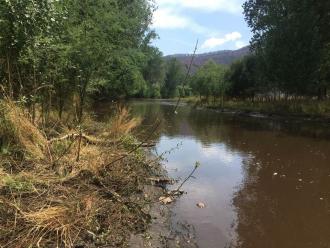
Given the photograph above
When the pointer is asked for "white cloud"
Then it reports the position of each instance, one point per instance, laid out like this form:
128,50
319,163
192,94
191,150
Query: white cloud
216,42
165,18
239,44
231,6
168,18
218,152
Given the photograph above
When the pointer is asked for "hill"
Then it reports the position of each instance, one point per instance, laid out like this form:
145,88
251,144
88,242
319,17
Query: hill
225,57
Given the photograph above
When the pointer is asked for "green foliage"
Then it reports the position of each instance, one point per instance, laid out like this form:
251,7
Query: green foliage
129,142
17,184
174,76
154,72
209,80
291,40
60,53
243,77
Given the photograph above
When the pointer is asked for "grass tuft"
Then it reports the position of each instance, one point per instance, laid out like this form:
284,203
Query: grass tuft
18,134
50,199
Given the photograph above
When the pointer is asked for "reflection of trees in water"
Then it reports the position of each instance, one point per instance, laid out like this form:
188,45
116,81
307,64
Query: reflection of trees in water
272,211
172,125
209,126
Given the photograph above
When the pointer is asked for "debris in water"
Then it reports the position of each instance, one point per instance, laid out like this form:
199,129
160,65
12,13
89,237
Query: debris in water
201,205
275,174
165,200
300,180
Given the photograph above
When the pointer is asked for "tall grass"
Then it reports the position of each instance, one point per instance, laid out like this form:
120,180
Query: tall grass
18,133
49,199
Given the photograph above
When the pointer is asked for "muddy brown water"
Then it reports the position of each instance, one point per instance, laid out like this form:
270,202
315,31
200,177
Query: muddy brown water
265,183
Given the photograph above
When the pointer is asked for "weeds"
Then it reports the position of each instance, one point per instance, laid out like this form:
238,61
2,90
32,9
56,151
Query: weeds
49,199
282,107
17,184
121,124
17,130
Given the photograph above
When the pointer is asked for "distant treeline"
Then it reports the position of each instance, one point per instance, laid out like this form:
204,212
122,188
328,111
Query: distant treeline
60,53
290,56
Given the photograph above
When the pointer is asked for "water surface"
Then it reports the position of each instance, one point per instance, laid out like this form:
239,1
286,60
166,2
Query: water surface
265,183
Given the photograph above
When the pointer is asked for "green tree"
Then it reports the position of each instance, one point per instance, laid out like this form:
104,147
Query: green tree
290,37
173,77
243,78
154,72
209,80
57,54
23,28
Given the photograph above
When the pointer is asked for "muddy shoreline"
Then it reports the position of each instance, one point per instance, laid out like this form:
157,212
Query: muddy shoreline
161,232
272,116
250,113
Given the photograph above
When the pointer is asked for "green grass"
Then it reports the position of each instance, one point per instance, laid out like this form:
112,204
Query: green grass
17,184
300,107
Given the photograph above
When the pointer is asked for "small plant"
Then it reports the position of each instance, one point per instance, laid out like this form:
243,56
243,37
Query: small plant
129,142
17,184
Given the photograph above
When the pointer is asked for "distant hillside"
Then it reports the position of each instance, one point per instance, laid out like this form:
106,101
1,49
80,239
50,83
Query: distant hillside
225,57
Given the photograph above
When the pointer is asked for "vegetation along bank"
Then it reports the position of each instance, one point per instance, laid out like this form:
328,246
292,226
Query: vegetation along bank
68,179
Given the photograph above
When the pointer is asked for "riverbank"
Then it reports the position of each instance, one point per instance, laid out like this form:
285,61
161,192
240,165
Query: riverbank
161,232
65,187
303,109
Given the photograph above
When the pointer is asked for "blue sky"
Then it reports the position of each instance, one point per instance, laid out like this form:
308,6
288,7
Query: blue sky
217,24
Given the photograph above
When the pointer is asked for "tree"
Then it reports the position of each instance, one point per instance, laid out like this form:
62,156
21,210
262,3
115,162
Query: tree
290,37
209,80
173,77
154,72
23,28
243,78
59,53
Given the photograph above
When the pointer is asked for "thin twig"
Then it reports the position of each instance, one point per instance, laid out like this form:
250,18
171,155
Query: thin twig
187,75
137,146
190,176
65,152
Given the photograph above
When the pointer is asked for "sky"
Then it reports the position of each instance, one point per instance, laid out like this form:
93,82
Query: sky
216,24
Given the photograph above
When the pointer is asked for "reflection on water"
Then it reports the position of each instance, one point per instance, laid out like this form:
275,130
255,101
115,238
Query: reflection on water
265,183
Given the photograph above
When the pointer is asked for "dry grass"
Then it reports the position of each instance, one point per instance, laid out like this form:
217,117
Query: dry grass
121,124
51,200
16,125
52,220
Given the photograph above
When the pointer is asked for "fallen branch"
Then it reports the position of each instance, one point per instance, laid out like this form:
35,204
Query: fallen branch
136,147
190,176
73,136
171,195
94,141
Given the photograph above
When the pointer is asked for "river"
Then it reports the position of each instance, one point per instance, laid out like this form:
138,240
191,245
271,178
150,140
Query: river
265,183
